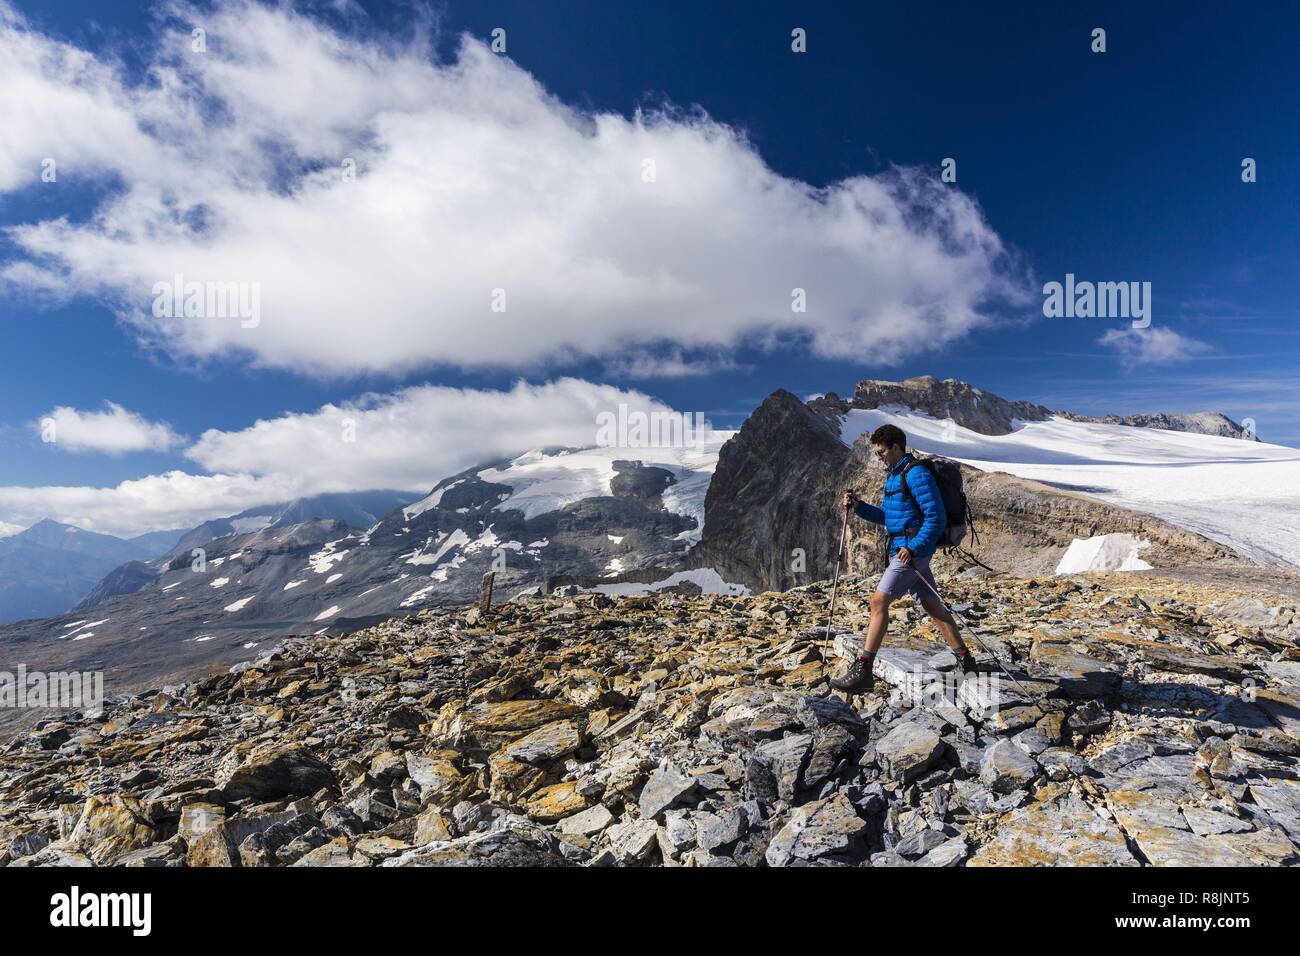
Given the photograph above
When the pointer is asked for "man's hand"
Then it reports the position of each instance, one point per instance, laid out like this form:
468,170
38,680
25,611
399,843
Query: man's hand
850,499
904,555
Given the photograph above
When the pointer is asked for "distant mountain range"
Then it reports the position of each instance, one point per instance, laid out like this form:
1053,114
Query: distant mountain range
46,569
746,510
51,567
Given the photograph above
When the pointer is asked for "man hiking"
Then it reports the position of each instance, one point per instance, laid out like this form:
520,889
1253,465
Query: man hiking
914,518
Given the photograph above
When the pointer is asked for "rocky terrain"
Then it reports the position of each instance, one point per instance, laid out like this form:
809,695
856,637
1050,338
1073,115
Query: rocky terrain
1149,722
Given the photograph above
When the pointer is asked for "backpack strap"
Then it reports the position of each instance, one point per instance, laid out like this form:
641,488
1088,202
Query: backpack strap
907,490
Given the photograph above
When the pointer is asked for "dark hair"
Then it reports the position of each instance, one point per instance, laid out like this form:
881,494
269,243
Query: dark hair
889,435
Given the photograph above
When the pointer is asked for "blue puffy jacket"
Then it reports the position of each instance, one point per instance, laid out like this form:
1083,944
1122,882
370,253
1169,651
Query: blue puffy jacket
916,528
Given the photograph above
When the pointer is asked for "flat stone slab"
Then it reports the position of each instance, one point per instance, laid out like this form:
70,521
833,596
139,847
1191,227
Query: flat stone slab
1079,676
1163,846
1064,832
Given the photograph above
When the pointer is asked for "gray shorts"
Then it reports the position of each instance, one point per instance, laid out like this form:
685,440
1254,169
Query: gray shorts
900,579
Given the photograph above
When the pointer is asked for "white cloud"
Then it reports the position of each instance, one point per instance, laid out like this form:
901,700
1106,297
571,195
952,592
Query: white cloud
408,440
153,503
1156,345
113,431
470,178
6,529
413,438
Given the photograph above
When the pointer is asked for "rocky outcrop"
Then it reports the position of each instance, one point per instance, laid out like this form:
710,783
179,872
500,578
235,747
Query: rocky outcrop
959,401
769,516
1145,722
1202,423
990,414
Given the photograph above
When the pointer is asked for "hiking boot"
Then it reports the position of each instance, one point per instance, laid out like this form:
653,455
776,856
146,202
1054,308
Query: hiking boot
858,678
966,663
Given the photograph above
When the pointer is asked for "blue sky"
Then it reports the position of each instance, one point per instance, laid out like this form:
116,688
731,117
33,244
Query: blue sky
1115,167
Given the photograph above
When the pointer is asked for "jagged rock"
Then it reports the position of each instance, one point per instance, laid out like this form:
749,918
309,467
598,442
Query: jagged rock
213,847
1210,822
546,743
111,826
632,841
950,853
1006,767
554,803
908,750
271,770
715,831
774,768
510,846
818,829
666,788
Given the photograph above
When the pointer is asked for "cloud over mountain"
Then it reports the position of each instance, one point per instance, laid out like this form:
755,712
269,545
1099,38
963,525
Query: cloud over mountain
407,440
474,187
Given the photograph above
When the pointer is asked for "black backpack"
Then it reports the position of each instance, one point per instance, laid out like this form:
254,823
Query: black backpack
947,475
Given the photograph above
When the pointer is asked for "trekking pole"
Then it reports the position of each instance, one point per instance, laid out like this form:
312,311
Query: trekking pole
982,645
835,582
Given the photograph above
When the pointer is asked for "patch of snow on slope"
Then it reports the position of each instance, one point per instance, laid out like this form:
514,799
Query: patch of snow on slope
292,584
1240,493
453,540
428,501
321,560
1104,552
219,582
238,605
328,612
709,580
419,595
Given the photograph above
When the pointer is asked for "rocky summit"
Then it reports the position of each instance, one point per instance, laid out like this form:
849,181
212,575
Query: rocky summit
1145,722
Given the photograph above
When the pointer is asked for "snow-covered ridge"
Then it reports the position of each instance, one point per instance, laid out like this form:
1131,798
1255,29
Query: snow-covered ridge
1242,494
547,481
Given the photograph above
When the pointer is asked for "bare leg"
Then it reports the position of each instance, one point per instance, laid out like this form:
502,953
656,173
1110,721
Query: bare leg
880,602
944,619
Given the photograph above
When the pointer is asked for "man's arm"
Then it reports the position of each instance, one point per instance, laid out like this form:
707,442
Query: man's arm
934,518
869,513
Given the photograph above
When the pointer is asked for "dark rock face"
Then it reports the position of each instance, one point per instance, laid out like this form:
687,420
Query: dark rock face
966,405
990,414
773,492
273,770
